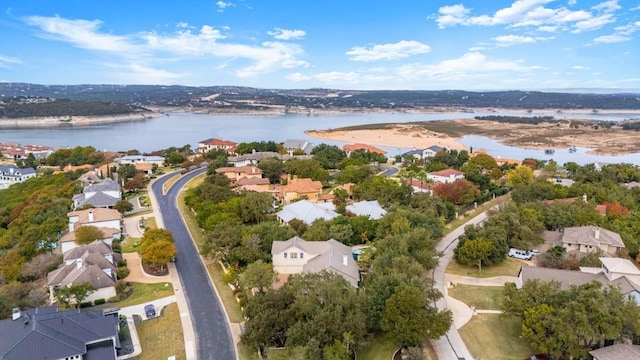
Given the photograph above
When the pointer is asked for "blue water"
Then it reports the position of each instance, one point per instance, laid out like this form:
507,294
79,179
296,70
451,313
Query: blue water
178,129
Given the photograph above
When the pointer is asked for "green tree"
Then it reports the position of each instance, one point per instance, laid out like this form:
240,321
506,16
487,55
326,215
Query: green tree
159,253
88,234
272,169
258,275
74,295
328,155
405,316
521,175
123,206
474,252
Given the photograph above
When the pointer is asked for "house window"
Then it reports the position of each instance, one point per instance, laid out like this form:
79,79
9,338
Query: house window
301,255
285,255
294,255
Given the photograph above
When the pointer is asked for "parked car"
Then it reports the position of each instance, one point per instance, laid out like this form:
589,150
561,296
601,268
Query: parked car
150,310
534,252
520,254
540,357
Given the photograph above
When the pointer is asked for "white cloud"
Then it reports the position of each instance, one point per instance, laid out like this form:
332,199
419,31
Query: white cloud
394,51
284,34
451,15
153,48
607,6
140,74
608,39
509,40
594,23
572,2
298,77
81,33
5,60
580,67
222,6
628,29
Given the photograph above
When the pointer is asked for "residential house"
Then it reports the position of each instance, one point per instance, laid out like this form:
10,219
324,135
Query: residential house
216,144
94,263
47,333
446,175
104,194
237,173
254,158
298,256
616,352
295,145
590,238
372,209
12,150
107,220
253,184
567,278
420,186
431,151
299,188
350,148
306,212
615,268
10,174
140,159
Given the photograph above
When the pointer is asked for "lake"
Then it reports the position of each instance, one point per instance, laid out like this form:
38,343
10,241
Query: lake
178,129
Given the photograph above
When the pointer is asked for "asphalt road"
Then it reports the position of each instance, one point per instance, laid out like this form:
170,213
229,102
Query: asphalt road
213,335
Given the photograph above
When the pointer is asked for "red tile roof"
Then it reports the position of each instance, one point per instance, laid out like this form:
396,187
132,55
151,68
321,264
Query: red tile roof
358,146
447,173
213,141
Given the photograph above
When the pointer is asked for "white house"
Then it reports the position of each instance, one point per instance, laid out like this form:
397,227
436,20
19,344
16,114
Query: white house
10,174
307,212
293,145
107,220
431,151
372,209
216,144
297,256
139,159
446,175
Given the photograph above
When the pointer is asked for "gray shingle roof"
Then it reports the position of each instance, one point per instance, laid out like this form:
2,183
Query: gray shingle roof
5,170
100,199
307,211
106,185
45,333
586,235
566,278
369,208
617,352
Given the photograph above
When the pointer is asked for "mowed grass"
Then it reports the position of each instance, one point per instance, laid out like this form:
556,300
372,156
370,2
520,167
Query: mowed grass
482,297
143,293
130,245
509,267
162,336
496,337
379,347
449,227
150,223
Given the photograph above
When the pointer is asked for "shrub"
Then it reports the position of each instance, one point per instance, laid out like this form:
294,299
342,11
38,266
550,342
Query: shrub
122,272
99,301
114,299
121,263
86,304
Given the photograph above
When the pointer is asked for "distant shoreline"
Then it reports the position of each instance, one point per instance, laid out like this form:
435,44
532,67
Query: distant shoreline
56,121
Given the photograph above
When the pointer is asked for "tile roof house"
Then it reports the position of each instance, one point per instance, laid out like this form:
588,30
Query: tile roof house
419,186
254,158
616,352
216,144
306,212
298,256
104,194
590,238
11,174
372,209
236,173
93,263
47,333
107,220
446,175
293,145
297,188
349,148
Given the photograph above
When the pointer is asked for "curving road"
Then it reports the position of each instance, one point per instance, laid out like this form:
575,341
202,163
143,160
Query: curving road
212,332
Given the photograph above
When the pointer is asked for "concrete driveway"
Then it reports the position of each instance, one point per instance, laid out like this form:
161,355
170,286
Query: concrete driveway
159,304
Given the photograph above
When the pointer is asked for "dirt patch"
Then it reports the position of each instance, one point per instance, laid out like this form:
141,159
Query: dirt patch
155,270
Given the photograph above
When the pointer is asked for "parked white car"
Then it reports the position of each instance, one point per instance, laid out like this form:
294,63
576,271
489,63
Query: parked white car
520,254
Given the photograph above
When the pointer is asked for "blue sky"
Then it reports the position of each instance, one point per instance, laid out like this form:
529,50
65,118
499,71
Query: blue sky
347,44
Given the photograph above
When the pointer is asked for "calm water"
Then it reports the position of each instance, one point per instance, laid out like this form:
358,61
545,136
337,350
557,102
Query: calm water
178,129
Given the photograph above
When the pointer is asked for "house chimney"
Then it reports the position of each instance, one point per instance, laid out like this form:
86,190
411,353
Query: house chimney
78,263
15,314
10,171
345,259
584,197
90,216
597,232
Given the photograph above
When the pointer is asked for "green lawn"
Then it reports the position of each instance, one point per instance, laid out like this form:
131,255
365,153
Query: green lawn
150,223
143,293
509,267
472,213
380,347
226,294
496,337
130,245
162,336
483,297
